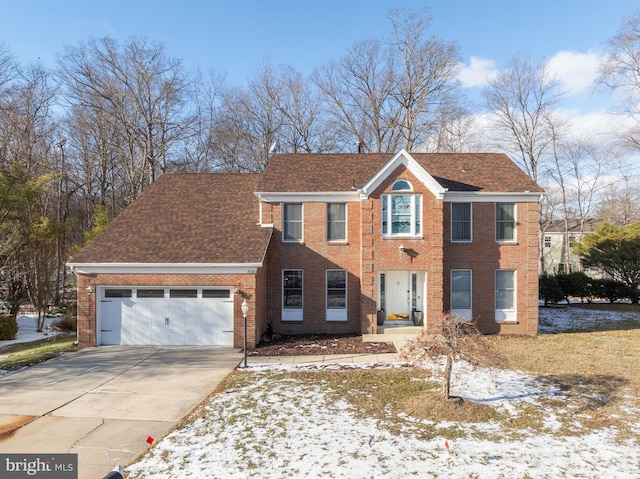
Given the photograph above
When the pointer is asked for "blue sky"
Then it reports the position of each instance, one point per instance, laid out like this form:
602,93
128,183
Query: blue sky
234,36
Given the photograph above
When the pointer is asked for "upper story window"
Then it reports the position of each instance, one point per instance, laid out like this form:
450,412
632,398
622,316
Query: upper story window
505,222
292,222
402,212
336,222
547,241
460,221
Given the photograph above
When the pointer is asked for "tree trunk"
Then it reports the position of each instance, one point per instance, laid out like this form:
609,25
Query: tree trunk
446,381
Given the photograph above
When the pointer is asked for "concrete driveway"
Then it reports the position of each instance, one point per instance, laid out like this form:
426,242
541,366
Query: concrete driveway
103,403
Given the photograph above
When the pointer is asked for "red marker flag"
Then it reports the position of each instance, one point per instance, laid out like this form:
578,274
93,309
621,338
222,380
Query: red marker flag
446,444
149,440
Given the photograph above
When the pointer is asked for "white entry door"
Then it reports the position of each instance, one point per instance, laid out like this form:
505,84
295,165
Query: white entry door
398,295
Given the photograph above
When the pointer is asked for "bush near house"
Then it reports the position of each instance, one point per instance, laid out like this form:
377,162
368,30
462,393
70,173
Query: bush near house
561,287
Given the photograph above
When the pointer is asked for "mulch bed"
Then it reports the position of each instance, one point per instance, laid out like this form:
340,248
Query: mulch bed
308,344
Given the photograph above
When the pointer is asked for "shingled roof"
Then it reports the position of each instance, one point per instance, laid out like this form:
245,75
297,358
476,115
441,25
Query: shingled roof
482,172
186,218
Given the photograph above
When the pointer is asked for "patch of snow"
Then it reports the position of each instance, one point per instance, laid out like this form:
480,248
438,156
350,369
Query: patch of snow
27,329
287,429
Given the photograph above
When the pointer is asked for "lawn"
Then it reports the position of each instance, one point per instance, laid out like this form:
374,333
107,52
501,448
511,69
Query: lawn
568,406
19,355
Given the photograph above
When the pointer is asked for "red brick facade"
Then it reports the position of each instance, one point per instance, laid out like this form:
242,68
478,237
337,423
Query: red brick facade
367,253
234,222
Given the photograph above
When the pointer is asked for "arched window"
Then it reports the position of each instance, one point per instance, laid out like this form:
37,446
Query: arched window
401,185
401,211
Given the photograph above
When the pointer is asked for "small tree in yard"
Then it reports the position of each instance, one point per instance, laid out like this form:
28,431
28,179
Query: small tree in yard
615,250
458,339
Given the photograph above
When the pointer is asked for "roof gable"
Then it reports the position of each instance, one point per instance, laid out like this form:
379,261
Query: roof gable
404,158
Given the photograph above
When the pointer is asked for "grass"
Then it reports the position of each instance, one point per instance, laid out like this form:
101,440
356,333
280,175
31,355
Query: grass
19,355
595,374
597,371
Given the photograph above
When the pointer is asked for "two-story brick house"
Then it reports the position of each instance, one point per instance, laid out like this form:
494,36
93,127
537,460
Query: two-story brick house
318,243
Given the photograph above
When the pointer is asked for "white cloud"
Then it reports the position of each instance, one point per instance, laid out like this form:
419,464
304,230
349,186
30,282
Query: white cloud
576,71
477,73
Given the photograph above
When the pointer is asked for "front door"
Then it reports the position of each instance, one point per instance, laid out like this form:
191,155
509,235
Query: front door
400,294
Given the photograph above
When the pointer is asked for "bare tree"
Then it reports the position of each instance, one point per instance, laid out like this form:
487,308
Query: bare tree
303,129
358,90
621,72
141,92
522,98
457,339
427,86
619,203
198,147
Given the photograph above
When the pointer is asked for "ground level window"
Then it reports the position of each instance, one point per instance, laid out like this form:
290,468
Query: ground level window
461,292
336,295
505,295
292,295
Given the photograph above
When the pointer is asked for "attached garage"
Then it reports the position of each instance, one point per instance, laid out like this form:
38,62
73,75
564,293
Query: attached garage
175,267
165,316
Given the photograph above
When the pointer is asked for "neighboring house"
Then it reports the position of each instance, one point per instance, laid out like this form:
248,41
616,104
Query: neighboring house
557,246
318,243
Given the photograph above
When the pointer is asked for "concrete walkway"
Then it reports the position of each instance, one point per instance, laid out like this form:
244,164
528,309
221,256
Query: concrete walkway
103,403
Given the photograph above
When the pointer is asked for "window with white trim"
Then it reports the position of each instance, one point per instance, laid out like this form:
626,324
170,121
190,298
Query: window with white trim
292,294
461,222
402,212
292,222
547,241
461,293
505,222
336,222
336,295
505,295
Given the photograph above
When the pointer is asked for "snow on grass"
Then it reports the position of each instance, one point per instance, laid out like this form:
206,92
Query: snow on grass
287,429
27,329
274,426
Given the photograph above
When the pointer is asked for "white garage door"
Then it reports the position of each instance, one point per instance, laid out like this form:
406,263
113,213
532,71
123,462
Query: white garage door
165,316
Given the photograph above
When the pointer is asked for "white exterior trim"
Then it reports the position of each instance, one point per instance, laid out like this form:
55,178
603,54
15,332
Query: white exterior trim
309,197
491,197
404,158
164,268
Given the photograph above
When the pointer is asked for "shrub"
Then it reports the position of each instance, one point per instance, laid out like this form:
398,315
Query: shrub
579,285
68,322
609,289
549,289
8,328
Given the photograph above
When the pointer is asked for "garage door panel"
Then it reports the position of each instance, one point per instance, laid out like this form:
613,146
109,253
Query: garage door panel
148,310
110,325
